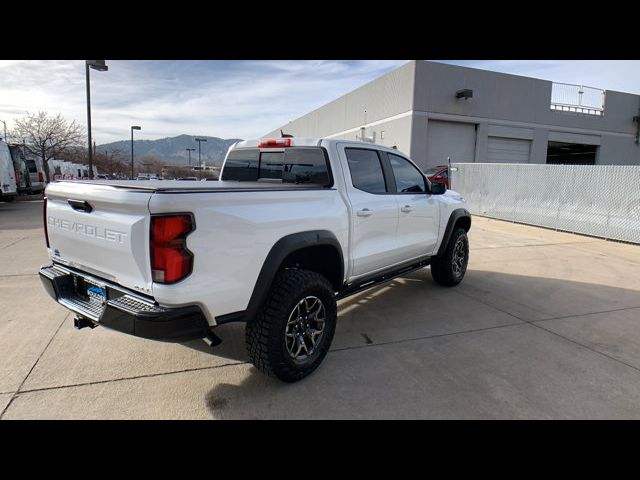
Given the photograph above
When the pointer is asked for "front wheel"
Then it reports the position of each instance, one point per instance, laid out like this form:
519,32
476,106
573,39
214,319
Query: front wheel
449,269
292,333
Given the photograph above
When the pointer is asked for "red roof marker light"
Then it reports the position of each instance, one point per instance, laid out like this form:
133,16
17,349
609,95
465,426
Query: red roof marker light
274,143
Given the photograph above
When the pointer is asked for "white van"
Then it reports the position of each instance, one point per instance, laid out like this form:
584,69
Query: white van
8,186
29,172
62,170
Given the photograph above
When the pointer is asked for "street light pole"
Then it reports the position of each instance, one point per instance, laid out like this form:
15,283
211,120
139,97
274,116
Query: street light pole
199,160
133,127
190,150
5,130
101,67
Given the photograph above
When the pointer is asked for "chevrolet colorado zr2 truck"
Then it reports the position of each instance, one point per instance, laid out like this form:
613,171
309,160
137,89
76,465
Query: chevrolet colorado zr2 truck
292,226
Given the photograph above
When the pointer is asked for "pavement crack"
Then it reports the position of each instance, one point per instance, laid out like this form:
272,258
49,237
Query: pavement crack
18,391
19,275
585,314
135,377
535,323
591,349
426,337
13,243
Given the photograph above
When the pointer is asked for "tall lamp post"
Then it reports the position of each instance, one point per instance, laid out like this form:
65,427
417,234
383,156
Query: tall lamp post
101,66
133,127
5,131
190,150
199,161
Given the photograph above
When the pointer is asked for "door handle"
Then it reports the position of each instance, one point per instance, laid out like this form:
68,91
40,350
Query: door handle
365,212
80,205
406,209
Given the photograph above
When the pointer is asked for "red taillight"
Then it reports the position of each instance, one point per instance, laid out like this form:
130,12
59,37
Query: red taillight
171,261
274,142
40,177
44,220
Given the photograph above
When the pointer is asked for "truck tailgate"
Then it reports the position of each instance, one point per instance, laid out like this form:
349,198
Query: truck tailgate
101,229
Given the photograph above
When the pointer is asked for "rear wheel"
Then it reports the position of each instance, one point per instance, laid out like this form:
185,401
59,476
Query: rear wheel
449,269
292,334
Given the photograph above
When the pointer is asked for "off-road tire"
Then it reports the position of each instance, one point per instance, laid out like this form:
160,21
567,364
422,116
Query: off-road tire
442,267
264,334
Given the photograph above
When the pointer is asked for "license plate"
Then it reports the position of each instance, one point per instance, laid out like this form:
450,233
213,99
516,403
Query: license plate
99,293
89,290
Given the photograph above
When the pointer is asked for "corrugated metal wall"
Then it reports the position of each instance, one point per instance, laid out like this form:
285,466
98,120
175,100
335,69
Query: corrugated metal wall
599,200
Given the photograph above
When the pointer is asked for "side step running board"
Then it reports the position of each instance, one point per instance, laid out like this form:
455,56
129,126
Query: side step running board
365,284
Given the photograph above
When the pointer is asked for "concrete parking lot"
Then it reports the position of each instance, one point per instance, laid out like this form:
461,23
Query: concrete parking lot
546,325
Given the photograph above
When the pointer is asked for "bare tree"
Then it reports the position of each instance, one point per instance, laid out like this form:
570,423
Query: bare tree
112,163
48,136
152,164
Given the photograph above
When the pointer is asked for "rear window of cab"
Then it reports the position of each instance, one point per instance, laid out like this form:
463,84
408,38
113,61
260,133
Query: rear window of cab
295,165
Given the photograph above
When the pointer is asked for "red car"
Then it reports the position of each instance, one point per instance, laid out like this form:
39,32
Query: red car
439,174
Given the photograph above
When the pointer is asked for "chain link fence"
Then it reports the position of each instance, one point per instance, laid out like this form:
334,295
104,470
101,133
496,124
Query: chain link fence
599,200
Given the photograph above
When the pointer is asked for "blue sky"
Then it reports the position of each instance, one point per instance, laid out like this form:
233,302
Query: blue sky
240,99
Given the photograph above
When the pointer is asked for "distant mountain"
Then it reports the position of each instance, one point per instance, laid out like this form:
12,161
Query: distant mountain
173,150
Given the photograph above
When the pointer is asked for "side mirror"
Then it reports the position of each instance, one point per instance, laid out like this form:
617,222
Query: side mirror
438,188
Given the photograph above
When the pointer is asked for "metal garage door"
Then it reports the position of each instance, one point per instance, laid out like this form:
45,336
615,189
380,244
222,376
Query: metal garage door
508,150
450,139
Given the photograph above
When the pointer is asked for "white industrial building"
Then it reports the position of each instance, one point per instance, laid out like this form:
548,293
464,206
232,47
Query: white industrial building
434,111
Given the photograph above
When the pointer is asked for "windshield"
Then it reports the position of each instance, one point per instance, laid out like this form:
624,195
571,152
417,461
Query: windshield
302,165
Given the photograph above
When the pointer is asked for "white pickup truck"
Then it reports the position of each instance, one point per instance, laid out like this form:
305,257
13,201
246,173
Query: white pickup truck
292,226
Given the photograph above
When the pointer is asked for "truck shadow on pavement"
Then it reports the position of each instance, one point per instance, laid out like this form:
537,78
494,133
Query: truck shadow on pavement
499,345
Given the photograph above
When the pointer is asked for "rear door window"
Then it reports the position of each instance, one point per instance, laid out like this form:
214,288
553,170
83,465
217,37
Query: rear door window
291,165
366,170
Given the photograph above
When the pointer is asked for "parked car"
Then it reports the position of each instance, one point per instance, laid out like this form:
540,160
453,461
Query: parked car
292,226
8,184
439,174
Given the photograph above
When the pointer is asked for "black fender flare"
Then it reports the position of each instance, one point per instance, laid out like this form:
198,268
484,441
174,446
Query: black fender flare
456,215
278,253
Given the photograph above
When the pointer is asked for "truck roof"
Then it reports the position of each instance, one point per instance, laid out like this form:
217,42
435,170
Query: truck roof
311,142
295,142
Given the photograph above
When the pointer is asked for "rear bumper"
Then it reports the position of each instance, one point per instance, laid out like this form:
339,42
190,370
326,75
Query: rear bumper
121,309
